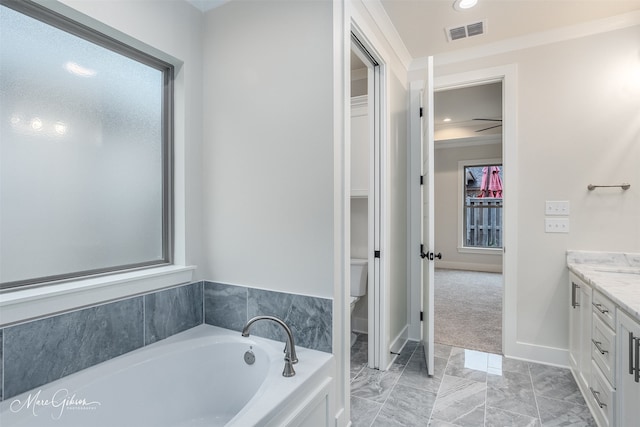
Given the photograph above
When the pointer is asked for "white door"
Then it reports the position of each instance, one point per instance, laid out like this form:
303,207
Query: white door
428,242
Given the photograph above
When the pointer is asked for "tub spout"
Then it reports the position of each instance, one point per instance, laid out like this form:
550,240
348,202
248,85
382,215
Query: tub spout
290,356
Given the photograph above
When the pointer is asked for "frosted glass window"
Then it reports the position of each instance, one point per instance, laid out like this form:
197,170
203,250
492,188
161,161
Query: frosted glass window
84,152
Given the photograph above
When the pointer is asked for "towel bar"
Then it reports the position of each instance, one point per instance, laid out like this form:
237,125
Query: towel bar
624,186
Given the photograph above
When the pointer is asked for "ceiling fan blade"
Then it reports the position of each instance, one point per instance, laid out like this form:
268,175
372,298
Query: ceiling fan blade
492,127
489,120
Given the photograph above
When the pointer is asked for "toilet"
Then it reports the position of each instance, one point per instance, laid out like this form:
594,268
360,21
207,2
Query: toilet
359,272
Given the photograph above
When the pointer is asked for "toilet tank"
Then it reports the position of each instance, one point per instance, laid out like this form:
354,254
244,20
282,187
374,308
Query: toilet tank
359,272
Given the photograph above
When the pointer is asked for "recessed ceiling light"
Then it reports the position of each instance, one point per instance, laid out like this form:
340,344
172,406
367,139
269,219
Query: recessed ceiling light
464,4
446,119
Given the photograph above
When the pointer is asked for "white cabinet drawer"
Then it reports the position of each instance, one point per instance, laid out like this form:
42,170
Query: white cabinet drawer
601,398
605,309
603,348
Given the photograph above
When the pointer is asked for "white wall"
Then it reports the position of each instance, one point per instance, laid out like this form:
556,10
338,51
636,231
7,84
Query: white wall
398,284
578,123
447,205
268,150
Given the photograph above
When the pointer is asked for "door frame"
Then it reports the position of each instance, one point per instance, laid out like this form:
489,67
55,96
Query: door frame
508,75
378,202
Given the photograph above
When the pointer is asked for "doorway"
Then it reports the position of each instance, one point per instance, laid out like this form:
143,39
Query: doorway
367,201
508,76
468,180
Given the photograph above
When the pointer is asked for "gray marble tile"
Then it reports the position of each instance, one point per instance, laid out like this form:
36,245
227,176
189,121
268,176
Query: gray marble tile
225,305
309,318
440,423
562,413
363,411
405,354
513,392
499,418
468,364
359,355
172,311
460,401
406,406
442,350
373,384
415,373
555,383
499,364
45,350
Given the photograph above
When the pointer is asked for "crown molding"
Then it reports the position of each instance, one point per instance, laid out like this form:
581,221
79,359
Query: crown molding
382,20
533,40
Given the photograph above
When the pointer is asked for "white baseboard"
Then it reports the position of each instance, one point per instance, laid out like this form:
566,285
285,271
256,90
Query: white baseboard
452,265
398,343
539,354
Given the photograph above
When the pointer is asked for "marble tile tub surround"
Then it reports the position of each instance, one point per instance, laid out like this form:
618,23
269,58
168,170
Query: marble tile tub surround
615,274
37,352
310,318
44,350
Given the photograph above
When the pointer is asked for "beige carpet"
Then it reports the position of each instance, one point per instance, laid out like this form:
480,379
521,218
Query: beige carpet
468,310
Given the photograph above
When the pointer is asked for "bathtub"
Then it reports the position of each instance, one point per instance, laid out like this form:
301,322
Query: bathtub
196,378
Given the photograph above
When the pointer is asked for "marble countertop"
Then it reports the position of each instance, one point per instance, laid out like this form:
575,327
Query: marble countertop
615,274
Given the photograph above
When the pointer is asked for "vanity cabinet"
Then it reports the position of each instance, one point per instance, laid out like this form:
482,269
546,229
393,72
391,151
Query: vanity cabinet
580,316
602,386
604,355
628,373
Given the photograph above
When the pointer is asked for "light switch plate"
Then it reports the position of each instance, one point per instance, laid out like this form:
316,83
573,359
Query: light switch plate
556,225
557,208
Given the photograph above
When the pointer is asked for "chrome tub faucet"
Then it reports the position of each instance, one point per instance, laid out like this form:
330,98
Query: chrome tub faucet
290,356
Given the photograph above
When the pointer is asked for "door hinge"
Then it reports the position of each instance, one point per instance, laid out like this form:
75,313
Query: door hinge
422,316
376,254
421,111
421,179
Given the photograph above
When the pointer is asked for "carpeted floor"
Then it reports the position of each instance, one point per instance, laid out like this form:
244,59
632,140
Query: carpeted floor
468,309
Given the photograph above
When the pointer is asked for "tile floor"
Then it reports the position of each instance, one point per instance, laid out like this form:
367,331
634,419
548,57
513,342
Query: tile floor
469,388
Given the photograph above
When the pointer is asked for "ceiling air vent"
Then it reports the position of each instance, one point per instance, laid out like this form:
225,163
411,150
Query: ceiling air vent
469,30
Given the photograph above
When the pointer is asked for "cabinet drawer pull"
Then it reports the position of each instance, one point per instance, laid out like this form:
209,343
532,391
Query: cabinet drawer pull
597,344
595,396
600,309
574,299
637,359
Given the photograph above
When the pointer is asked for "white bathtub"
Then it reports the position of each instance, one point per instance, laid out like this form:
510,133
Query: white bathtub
195,378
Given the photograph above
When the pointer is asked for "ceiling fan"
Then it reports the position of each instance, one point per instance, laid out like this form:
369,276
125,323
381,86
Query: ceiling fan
490,127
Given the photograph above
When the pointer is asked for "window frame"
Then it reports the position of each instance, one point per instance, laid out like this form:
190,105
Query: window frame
63,23
462,164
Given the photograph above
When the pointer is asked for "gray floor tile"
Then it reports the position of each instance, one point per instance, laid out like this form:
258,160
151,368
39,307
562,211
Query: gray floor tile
561,413
373,384
363,411
555,383
500,418
469,364
406,406
512,392
460,401
468,388
415,374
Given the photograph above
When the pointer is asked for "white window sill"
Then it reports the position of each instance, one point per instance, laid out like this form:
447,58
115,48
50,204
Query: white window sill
482,251
24,304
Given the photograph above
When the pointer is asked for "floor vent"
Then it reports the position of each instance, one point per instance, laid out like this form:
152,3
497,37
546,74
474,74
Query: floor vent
464,31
